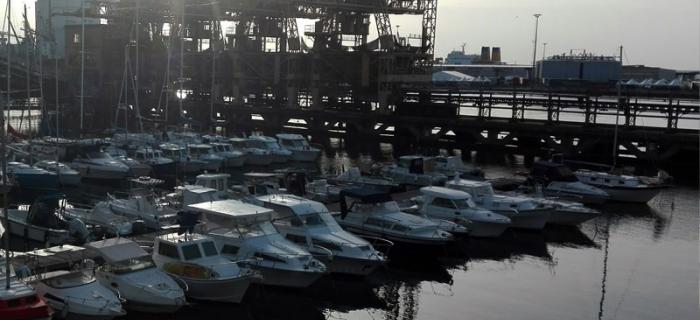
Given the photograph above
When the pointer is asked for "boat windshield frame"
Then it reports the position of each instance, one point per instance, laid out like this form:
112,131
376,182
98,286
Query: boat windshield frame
130,266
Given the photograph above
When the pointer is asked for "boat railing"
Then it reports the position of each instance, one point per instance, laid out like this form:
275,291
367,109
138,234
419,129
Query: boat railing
327,253
380,244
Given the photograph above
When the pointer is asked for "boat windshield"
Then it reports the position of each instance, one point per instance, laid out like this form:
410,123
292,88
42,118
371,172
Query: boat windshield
130,266
318,220
390,206
464,203
255,230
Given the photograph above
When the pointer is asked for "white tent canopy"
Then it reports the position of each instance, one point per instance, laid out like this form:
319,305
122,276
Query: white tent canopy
451,76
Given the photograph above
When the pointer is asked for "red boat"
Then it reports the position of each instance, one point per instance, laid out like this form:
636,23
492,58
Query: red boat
21,302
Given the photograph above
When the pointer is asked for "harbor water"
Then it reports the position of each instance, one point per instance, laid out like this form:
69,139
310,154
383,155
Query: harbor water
633,262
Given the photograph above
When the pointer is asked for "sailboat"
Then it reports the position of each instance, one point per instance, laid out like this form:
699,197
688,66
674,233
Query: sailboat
621,187
17,300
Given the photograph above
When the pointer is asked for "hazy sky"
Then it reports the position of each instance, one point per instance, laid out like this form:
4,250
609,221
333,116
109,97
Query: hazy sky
662,33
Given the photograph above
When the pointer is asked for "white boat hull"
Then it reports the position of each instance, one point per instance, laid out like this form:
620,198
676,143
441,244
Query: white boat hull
480,229
99,172
437,241
345,265
221,290
287,278
531,219
39,234
634,195
579,197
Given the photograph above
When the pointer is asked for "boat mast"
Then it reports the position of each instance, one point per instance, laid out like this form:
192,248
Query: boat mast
4,154
212,46
136,72
181,30
617,116
82,66
27,69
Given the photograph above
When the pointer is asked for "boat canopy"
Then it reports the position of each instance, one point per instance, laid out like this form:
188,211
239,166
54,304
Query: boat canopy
234,211
117,249
446,193
553,171
364,195
297,205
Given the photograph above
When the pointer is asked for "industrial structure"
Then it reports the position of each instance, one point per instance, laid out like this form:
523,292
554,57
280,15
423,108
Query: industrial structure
155,62
237,66
579,67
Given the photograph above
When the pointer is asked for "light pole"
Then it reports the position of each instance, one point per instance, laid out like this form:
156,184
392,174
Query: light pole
544,49
534,50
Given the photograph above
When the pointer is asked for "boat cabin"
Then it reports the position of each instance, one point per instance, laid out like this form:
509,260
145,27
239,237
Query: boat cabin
476,189
446,198
173,151
217,181
414,164
240,218
292,141
121,255
184,248
198,150
547,171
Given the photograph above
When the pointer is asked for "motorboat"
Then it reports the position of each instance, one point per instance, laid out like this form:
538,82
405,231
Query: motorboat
183,162
196,260
20,301
457,206
623,188
205,152
410,171
278,154
568,213
102,217
130,269
155,159
309,224
299,146
141,203
244,231
253,156
77,294
66,175
452,166
44,222
523,212
558,181
328,189
32,178
376,214
99,165
232,158
136,167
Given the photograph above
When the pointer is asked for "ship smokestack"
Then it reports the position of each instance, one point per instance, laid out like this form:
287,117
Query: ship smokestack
485,54
496,54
